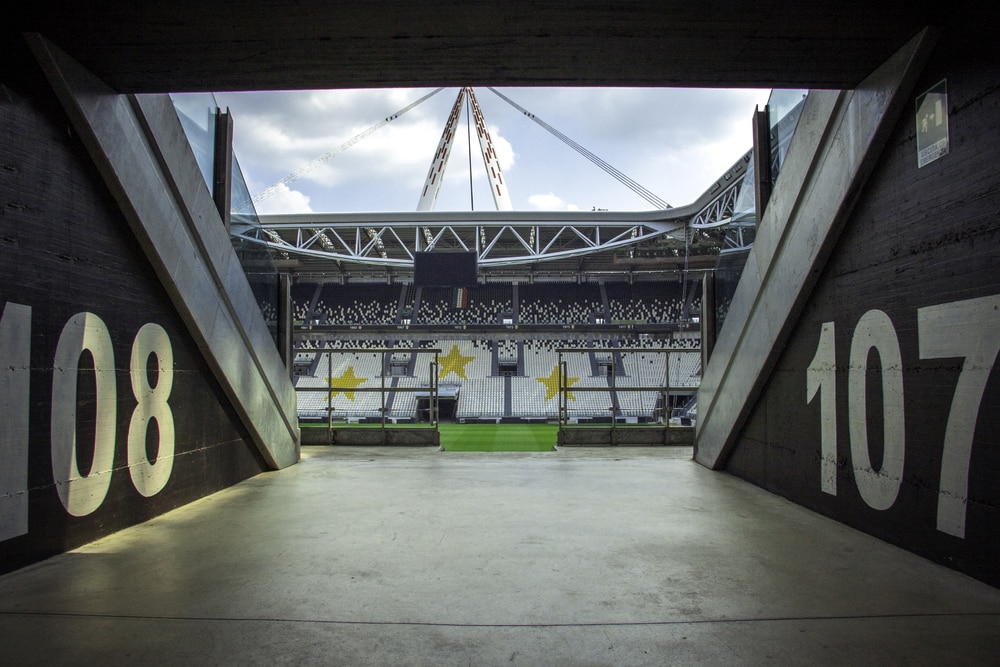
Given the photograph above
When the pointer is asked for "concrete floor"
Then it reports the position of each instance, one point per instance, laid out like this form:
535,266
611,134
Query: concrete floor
418,557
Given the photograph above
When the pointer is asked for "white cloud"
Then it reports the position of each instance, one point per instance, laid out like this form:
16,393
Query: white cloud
284,200
503,147
550,202
674,142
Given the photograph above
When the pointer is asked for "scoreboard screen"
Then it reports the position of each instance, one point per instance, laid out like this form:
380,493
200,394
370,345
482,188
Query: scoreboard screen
445,269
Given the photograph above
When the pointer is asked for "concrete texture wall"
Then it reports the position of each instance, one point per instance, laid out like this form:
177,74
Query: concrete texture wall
109,414
883,410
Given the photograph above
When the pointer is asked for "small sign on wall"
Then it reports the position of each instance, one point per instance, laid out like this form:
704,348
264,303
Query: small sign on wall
932,124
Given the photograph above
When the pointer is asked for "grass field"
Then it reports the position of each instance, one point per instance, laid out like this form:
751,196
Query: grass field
498,437
502,437
485,437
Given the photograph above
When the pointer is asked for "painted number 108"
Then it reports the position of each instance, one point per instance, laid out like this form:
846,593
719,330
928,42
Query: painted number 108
969,330
82,490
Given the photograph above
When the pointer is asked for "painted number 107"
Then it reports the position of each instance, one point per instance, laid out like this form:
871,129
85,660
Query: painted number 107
969,330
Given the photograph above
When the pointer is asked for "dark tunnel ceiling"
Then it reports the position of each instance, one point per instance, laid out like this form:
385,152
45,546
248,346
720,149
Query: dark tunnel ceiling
186,45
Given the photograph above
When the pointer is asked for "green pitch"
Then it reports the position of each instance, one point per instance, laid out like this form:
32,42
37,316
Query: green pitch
482,437
498,437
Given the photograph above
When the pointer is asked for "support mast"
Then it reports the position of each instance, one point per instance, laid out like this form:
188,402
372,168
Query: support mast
435,175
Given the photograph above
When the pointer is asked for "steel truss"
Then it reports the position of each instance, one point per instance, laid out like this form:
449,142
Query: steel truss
501,238
719,211
719,215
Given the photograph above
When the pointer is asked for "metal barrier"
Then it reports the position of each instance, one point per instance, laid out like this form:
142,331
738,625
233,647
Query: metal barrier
346,435
662,433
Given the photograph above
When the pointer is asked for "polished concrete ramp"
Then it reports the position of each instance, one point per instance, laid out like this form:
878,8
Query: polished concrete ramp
419,557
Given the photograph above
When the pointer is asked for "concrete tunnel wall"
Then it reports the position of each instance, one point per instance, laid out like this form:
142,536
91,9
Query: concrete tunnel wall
918,247
883,410
110,412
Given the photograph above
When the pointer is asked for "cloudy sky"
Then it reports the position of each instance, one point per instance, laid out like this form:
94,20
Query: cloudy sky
674,142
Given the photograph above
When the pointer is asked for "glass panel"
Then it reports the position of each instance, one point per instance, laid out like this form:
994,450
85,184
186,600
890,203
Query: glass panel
257,259
744,209
196,112
784,108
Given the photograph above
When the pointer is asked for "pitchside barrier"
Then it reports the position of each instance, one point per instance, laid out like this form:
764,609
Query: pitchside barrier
343,427
648,425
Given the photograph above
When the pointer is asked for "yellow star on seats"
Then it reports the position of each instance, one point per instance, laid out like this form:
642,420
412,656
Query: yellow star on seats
347,379
552,384
454,362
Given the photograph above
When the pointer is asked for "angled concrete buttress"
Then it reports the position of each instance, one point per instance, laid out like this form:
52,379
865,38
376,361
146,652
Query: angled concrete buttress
836,144
144,157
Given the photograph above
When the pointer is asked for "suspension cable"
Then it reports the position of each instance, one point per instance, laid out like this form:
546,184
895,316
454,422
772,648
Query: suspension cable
309,166
632,185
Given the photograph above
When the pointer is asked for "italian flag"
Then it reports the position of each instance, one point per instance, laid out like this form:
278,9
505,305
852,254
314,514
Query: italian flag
460,297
